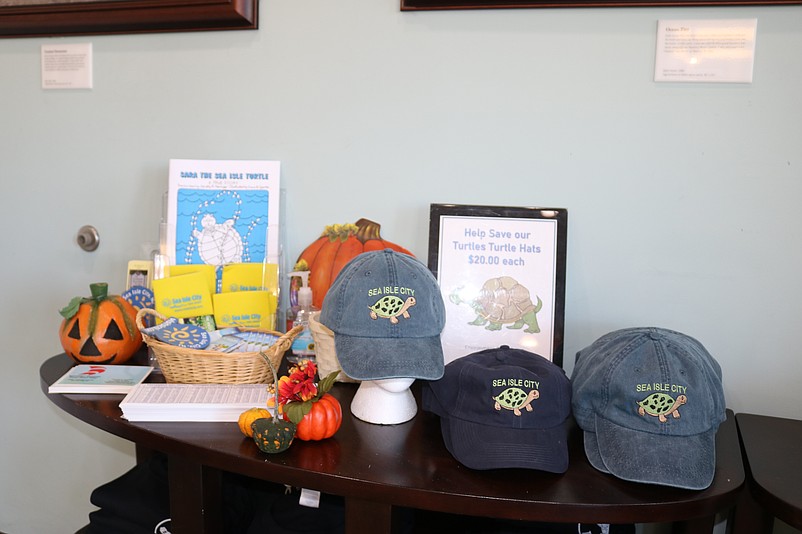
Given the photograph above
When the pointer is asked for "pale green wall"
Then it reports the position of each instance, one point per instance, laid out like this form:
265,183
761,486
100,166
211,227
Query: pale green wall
683,199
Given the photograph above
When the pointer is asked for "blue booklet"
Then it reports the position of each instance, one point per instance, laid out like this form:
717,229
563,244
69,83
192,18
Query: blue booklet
88,378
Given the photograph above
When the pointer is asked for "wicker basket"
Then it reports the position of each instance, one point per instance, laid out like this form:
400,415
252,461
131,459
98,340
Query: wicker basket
191,366
325,354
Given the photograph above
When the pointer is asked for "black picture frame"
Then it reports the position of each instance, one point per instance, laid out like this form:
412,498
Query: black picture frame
429,5
486,257
46,18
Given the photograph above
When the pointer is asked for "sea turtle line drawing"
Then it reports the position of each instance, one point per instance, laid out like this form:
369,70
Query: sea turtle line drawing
391,307
660,405
516,399
218,243
501,301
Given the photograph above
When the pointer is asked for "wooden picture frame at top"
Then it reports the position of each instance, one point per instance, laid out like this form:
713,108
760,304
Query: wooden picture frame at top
45,18
499,255
430,5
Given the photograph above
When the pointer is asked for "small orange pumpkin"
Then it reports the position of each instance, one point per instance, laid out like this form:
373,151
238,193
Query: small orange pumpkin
99,329
250,415
322,421
339,243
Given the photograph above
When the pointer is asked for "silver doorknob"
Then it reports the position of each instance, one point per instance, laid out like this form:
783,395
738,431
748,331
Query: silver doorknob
88,238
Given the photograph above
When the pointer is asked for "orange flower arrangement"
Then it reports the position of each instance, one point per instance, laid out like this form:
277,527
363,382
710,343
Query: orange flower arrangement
298,391
299,385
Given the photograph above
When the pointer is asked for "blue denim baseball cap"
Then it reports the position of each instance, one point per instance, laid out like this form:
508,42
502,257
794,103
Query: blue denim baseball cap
503,408
386,311
650,402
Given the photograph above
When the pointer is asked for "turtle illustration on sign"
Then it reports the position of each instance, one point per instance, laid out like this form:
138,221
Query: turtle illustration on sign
515,399
391,307
660,405
501,301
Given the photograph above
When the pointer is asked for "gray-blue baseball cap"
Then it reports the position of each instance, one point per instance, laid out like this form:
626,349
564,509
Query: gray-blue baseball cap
503,408
386,311
650,401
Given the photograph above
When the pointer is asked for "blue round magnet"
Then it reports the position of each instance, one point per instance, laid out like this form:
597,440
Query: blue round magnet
188,336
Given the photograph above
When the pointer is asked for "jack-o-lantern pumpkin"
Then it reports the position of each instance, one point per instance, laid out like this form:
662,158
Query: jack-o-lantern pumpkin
99,329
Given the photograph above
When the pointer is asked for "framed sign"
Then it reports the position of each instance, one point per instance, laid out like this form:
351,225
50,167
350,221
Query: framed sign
39,18
502,274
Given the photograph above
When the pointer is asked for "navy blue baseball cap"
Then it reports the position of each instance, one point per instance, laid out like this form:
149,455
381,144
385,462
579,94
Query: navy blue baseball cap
650,402
503,408
386,311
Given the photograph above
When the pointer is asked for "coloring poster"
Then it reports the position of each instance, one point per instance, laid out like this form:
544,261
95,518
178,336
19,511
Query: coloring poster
222,212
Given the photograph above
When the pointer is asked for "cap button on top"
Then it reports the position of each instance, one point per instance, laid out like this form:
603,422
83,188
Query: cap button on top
499,354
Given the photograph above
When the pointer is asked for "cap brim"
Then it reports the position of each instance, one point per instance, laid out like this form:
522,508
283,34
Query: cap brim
368,358
687,462
481,446
592,452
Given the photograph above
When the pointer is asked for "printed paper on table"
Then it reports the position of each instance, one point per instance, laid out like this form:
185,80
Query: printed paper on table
223,211
192,402
89,378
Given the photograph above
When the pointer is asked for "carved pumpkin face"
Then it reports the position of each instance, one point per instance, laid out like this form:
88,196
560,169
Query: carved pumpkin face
102,331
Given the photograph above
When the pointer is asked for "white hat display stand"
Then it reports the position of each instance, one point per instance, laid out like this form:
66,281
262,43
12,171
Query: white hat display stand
385,402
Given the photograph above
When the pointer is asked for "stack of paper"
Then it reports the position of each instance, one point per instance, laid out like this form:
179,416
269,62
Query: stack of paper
192,402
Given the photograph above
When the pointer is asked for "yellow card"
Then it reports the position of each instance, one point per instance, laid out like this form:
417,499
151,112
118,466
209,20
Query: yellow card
250,309
250,277
183,296
208,271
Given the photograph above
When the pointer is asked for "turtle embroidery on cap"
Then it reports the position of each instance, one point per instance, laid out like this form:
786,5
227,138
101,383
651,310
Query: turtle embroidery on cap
660,405
515,399
391,307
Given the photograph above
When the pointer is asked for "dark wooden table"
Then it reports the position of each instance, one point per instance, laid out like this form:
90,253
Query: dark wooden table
770,446
377,468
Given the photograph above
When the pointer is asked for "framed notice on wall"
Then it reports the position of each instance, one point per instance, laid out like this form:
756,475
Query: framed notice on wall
502,274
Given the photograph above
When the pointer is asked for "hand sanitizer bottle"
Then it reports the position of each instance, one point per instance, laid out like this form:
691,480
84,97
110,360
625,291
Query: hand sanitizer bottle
303,347
292,309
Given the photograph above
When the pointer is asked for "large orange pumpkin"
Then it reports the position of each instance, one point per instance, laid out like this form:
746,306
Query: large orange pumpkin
99,329
339,243
322,421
